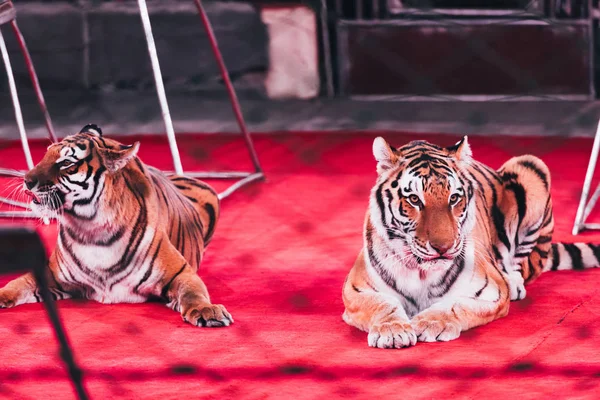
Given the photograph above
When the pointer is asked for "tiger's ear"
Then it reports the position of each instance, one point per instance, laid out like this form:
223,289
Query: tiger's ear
91,128
114,160
385,156
461,150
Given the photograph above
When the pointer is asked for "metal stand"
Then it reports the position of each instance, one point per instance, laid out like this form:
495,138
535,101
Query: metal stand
585,207
8,15
75,373
246,177
21,250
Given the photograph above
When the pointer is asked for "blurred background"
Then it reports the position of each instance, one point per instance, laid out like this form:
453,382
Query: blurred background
518,67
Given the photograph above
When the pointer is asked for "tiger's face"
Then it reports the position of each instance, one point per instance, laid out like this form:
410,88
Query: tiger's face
71,176
422,202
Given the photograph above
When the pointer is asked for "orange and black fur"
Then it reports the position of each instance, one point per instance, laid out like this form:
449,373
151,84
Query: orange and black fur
127,232
448,242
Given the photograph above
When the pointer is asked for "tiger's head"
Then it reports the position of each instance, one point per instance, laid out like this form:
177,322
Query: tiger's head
72,175
423,202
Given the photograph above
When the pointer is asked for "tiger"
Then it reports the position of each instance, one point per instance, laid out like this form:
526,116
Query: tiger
127,233
449,242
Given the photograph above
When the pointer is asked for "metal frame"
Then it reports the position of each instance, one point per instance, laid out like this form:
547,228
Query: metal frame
247,177
244,177
11,15
468,97
23,250
585,206
328,63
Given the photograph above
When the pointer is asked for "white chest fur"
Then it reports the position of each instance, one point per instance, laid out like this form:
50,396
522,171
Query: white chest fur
111,274
417,290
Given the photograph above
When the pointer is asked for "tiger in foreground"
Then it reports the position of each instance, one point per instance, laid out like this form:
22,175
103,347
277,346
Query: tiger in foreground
127,232
449,242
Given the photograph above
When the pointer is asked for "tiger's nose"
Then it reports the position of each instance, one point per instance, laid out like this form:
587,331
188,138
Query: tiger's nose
30,182
441,248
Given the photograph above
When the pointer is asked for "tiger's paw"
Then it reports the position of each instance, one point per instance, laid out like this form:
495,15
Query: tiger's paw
435,327
212,316
7,299
392,335
516,285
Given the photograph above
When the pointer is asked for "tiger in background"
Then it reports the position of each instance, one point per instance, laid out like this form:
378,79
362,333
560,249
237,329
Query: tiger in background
127,232
449,242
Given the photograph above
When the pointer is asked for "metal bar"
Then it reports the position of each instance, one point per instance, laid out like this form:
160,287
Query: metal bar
591,61
326,49
587,182
18,214
465,12
457,22
247,177
358,9
339,8
160,89
16,104
251,178
591,227
14,203
11,172
343,65
85,33
591,203
34,80
23,214
230,89
65,349
216,175
375,9
478,98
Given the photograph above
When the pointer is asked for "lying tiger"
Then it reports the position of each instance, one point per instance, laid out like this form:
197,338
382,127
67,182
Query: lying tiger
448,242
127,233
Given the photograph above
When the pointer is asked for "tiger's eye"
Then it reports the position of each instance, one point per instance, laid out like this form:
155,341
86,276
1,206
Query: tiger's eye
414,199
454,198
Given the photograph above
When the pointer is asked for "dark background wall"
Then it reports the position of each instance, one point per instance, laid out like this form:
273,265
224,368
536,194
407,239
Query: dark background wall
92,60
93,45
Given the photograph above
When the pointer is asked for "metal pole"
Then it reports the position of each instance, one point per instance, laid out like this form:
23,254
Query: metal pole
65,348
590,204
587,183
160,89
239,184
359,9
326,48
34,80
230,90
16,104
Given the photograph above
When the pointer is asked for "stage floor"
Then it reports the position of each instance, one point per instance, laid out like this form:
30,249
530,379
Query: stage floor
278,261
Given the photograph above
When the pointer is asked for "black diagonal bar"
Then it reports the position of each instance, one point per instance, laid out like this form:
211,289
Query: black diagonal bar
22,249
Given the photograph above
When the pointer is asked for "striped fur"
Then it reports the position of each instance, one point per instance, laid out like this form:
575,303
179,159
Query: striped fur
448,242
127,232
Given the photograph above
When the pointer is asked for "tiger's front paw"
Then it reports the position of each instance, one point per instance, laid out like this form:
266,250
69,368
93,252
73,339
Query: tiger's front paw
212,315
516,285
7,299
435,327
392,335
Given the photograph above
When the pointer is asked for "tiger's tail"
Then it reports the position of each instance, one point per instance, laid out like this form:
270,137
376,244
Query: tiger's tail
575,256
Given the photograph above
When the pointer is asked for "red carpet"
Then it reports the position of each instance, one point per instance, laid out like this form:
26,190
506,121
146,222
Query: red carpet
278,261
